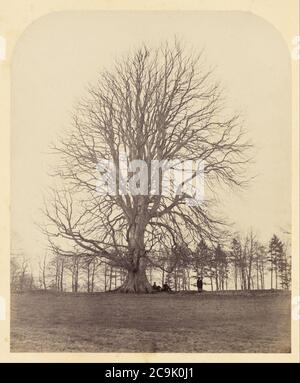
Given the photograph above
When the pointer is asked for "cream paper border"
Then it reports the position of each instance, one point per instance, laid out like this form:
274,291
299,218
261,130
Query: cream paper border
15,17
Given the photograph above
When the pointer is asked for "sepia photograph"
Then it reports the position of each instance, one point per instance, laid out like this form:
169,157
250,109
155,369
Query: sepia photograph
151,184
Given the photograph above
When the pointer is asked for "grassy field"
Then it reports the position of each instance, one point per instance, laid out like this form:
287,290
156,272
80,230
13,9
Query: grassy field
111,322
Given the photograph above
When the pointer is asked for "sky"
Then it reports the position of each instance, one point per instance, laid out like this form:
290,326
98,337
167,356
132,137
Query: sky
61,53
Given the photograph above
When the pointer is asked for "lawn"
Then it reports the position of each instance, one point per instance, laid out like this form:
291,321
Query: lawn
182,322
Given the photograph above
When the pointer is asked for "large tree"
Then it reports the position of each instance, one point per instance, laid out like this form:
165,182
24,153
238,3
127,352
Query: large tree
155,104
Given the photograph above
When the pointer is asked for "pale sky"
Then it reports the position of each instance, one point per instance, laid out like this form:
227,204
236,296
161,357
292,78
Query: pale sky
58,55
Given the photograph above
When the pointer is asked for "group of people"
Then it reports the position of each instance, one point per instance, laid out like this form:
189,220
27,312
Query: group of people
165,287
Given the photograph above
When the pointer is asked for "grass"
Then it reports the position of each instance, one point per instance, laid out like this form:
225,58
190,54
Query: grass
110,322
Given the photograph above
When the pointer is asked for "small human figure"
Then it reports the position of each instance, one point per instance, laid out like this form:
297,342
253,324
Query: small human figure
166,288
154,287
199,285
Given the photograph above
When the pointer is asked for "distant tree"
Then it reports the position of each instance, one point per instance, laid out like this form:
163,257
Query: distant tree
176,262
43,272
90,265
72,266
276,256
57,271
261,259
248,258
14,274
249,255
281,262
21,277
201,259
236,259
221,268
284,270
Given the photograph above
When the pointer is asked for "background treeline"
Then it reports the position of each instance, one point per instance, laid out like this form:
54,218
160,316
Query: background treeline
244,264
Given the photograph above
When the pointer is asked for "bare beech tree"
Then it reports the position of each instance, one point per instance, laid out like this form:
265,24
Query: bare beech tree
159,104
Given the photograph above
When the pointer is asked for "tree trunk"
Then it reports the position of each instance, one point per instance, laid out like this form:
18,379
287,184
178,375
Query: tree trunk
115,278
110,278
257,273
249,277
163,275
150,275
76,276
262,280
105,277
188,280
235,276
62,276
271,261
44,274
175,279
136,280
93,277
